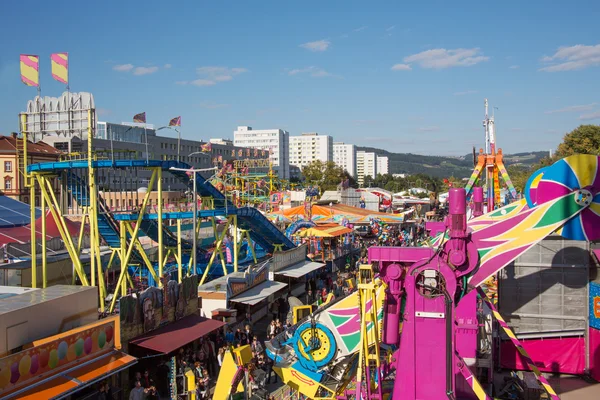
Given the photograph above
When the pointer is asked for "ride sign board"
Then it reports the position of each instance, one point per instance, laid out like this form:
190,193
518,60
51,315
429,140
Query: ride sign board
595,305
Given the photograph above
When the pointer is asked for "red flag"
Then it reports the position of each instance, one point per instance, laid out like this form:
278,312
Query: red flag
140,118
175,121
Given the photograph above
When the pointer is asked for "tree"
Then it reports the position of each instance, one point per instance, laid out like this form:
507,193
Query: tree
326,175
583,140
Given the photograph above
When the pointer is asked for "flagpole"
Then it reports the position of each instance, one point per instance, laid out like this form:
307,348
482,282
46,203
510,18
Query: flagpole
146,135
178,140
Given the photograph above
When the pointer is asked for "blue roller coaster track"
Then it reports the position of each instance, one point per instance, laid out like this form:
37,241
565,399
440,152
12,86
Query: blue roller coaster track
262,231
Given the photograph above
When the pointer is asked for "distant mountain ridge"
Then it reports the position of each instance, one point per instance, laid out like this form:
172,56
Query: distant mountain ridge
443,167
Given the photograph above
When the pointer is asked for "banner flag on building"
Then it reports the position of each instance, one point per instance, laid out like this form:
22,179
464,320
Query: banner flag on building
140,118
60,67
206,147
30,70
175,121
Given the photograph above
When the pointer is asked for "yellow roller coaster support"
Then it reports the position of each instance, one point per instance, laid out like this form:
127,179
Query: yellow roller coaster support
129,248
218,250
64,233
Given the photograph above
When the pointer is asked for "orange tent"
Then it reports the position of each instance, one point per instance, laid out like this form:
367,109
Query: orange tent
337,212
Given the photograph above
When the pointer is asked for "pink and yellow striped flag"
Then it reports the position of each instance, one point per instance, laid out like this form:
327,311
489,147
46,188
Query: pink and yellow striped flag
30,70
60,67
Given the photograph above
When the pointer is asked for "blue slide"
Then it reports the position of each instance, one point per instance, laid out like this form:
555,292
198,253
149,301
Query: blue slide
262,231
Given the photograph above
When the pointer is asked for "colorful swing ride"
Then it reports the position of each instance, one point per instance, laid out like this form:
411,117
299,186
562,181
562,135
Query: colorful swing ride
400,336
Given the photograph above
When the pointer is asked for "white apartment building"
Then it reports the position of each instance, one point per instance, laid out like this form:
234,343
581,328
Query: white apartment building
310,147
366,165
344,155
382,165
274,140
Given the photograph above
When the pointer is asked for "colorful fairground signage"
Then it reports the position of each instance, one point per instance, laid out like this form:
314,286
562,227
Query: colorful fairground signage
251,278
48,359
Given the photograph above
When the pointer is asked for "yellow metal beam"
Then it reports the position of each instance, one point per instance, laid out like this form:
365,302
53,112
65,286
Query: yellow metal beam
127,250
160,227
217,250
44,242
246,233
140,249
113,252
33,237
64,233
179,259
119,286
81,233
236,246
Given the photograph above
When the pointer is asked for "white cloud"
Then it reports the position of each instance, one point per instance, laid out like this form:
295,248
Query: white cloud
514,67
465,92
212,106
584,107
443,58
588,117
319,45
401,67
144,70
362,28
573,58
167,66
103,111
429,128
314,72
123,67
391,28
210,76
516,129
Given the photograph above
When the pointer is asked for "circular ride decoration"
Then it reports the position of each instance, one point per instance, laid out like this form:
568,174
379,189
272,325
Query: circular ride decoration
579,173
531,187
315,347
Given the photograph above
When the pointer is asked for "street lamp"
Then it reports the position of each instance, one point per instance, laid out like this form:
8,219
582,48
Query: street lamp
178,137
194,235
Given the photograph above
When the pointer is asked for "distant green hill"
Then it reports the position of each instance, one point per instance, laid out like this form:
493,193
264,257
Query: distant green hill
443,167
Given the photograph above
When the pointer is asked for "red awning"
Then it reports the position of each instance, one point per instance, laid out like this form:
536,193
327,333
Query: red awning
173,336
22,234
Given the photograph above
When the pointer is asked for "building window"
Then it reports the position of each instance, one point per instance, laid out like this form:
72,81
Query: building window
8,166
8,183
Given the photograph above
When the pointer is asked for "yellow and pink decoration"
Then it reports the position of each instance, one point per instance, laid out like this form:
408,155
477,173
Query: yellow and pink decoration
31,365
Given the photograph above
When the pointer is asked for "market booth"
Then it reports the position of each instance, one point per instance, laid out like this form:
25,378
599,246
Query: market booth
230,298
157,322
293,268
65,364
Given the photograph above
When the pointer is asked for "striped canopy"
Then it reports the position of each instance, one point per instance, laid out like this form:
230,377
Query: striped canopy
325,231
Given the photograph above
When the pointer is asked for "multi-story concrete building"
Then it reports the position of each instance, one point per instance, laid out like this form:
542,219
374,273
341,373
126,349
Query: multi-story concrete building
276,141
310,147
366,165
382,165
344,155
132,141
11,159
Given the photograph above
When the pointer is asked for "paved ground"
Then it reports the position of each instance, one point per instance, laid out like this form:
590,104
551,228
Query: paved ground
570,388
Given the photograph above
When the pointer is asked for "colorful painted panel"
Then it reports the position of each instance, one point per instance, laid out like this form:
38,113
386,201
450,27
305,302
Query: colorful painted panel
343,318
156,307
595,305
25,367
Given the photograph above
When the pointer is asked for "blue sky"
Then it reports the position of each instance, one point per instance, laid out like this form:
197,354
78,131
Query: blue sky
403,76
